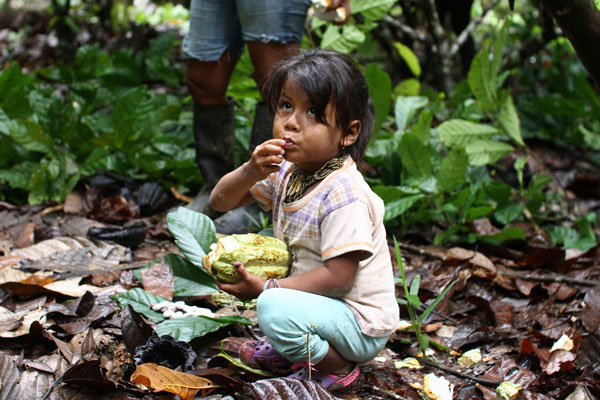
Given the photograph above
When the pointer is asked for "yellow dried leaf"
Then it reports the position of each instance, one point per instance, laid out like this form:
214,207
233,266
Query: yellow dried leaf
507,390
160,378
409,362
471,357
437,388
563,343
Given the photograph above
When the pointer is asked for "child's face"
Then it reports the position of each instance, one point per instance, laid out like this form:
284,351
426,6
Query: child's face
309,143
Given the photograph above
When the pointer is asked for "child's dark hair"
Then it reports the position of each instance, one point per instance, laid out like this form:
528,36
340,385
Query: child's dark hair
328,75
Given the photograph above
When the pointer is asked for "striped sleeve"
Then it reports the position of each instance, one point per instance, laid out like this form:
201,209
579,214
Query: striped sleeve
262,192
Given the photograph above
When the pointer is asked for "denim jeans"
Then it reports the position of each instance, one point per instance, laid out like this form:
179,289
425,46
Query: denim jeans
216,25
289,317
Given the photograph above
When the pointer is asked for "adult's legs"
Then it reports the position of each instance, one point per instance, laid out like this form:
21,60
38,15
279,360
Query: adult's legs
264,56
208,80
214,122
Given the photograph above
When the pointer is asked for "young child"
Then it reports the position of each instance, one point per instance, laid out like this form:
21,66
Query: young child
337,307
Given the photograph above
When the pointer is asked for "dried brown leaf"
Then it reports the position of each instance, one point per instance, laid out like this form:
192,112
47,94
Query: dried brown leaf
134,328
288,389
483,226
591,311
560,360
9,378
27,319
160,378
159,280
26,238
483,267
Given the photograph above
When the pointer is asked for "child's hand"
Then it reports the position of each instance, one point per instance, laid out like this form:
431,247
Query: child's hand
248,288
265,159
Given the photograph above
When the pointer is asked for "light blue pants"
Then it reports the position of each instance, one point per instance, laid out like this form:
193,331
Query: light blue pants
288,316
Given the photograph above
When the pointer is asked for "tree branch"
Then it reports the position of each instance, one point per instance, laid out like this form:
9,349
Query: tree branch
554,278
407,30
464,35
439,47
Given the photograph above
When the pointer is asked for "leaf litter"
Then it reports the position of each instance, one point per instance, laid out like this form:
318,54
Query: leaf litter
520,322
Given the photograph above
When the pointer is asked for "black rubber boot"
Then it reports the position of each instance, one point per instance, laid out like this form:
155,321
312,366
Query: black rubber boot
214,128
238,220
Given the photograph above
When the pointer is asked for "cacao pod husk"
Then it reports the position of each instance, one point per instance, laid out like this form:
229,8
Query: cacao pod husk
265,256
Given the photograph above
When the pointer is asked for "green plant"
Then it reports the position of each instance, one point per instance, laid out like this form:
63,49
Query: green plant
412,302
447,173
346,38
97,114
261,222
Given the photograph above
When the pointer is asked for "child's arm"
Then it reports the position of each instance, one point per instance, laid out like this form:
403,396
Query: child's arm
233,189
334,279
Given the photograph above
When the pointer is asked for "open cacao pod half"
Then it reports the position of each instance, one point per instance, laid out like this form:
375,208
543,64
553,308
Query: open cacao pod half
264,256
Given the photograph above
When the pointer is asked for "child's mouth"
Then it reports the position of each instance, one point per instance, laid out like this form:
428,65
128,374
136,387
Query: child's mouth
288,144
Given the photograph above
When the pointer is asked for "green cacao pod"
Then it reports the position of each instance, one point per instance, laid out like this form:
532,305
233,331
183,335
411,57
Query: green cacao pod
264,256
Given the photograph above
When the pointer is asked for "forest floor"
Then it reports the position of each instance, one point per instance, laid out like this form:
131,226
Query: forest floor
532,311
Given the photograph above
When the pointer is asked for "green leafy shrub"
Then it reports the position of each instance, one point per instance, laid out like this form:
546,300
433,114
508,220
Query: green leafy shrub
95,114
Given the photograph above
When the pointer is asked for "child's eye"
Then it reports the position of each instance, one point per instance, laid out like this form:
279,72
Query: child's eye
285,105
312,111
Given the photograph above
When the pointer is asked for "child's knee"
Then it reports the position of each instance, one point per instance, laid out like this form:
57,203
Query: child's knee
269,307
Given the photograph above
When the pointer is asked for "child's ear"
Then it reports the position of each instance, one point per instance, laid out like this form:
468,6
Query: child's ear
352,133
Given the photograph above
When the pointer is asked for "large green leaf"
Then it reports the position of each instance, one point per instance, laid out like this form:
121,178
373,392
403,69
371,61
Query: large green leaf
415,157
371,9
343,39
482,152
132,115
399,206
4,123
506,213
30,135
186,329
406,107
13,91
422,128
585,226
141,301
509,233
381,146
590,137
459,133
19,175
190,280
391,193
482,81
194,232
409,58
452,171
509,120
380,88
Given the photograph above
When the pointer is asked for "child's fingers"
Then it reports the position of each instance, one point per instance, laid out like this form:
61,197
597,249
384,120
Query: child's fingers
273,146
242,271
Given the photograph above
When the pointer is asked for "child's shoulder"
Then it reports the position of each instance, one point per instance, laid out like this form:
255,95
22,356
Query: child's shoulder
345,186
349,185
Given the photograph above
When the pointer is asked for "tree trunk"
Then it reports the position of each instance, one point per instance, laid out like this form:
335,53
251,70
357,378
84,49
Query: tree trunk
580,22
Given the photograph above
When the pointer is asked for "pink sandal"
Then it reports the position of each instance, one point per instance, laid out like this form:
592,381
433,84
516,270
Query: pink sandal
333,383
261,355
